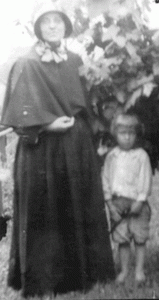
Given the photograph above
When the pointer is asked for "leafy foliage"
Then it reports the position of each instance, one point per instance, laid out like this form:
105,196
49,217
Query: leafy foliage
121,67
122,57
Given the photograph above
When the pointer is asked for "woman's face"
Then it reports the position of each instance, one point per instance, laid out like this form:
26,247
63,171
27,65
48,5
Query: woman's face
52,28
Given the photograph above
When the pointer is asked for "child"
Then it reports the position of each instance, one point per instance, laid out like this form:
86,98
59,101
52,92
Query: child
126,179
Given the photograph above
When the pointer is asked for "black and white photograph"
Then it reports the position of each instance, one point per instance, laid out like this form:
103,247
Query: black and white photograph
79,149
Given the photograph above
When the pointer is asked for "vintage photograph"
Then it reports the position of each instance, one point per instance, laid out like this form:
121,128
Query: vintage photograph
79,149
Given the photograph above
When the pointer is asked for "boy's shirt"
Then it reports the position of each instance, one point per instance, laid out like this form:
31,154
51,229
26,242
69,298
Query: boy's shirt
127,173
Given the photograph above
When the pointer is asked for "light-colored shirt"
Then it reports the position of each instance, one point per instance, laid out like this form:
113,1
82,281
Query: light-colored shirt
127,174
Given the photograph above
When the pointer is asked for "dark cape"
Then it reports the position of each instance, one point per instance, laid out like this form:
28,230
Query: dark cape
60,239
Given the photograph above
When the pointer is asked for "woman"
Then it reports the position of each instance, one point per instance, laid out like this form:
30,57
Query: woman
60,239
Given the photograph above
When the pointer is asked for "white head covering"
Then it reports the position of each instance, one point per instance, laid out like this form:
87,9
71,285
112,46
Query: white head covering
44,7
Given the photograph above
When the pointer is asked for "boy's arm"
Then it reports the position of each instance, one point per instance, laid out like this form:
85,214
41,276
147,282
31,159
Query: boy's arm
113,211
145,178
107,189
144,184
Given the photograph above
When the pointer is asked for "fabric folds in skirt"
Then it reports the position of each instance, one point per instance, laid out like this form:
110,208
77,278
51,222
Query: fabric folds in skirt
60,238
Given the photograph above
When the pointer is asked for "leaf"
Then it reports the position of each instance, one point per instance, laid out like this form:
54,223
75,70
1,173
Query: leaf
137,19
156,68
97,126
148,88
120,95
100,19
109,47
110,33
131,49
133,98
112,61
120,10
105,71
134,83
121,41
94,99
145,79
95,8
82,70
134,35
155,38
97,54
147,5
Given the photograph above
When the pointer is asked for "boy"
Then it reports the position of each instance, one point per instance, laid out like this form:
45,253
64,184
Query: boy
126,179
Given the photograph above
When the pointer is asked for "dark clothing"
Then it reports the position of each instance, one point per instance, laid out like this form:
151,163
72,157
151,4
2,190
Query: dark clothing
60,236
132,226
42,91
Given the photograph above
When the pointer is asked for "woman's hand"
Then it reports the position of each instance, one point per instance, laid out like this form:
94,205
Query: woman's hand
61,124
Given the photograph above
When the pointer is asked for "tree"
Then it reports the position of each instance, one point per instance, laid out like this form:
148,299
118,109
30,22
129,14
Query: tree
121,67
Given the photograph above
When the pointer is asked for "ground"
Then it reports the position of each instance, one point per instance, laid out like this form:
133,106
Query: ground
110,290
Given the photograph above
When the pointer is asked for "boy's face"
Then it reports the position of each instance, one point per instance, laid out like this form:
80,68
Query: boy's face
126,138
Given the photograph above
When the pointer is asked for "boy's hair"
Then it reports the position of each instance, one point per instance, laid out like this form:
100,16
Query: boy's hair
129,121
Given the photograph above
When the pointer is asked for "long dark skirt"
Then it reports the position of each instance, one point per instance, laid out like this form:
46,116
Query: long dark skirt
60,238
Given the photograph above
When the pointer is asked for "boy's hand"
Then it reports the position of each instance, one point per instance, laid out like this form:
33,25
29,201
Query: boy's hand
113,212
136,207
115,216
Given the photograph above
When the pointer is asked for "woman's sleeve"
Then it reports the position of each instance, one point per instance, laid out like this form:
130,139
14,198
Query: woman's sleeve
24,104
144,183
23,108
106,179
